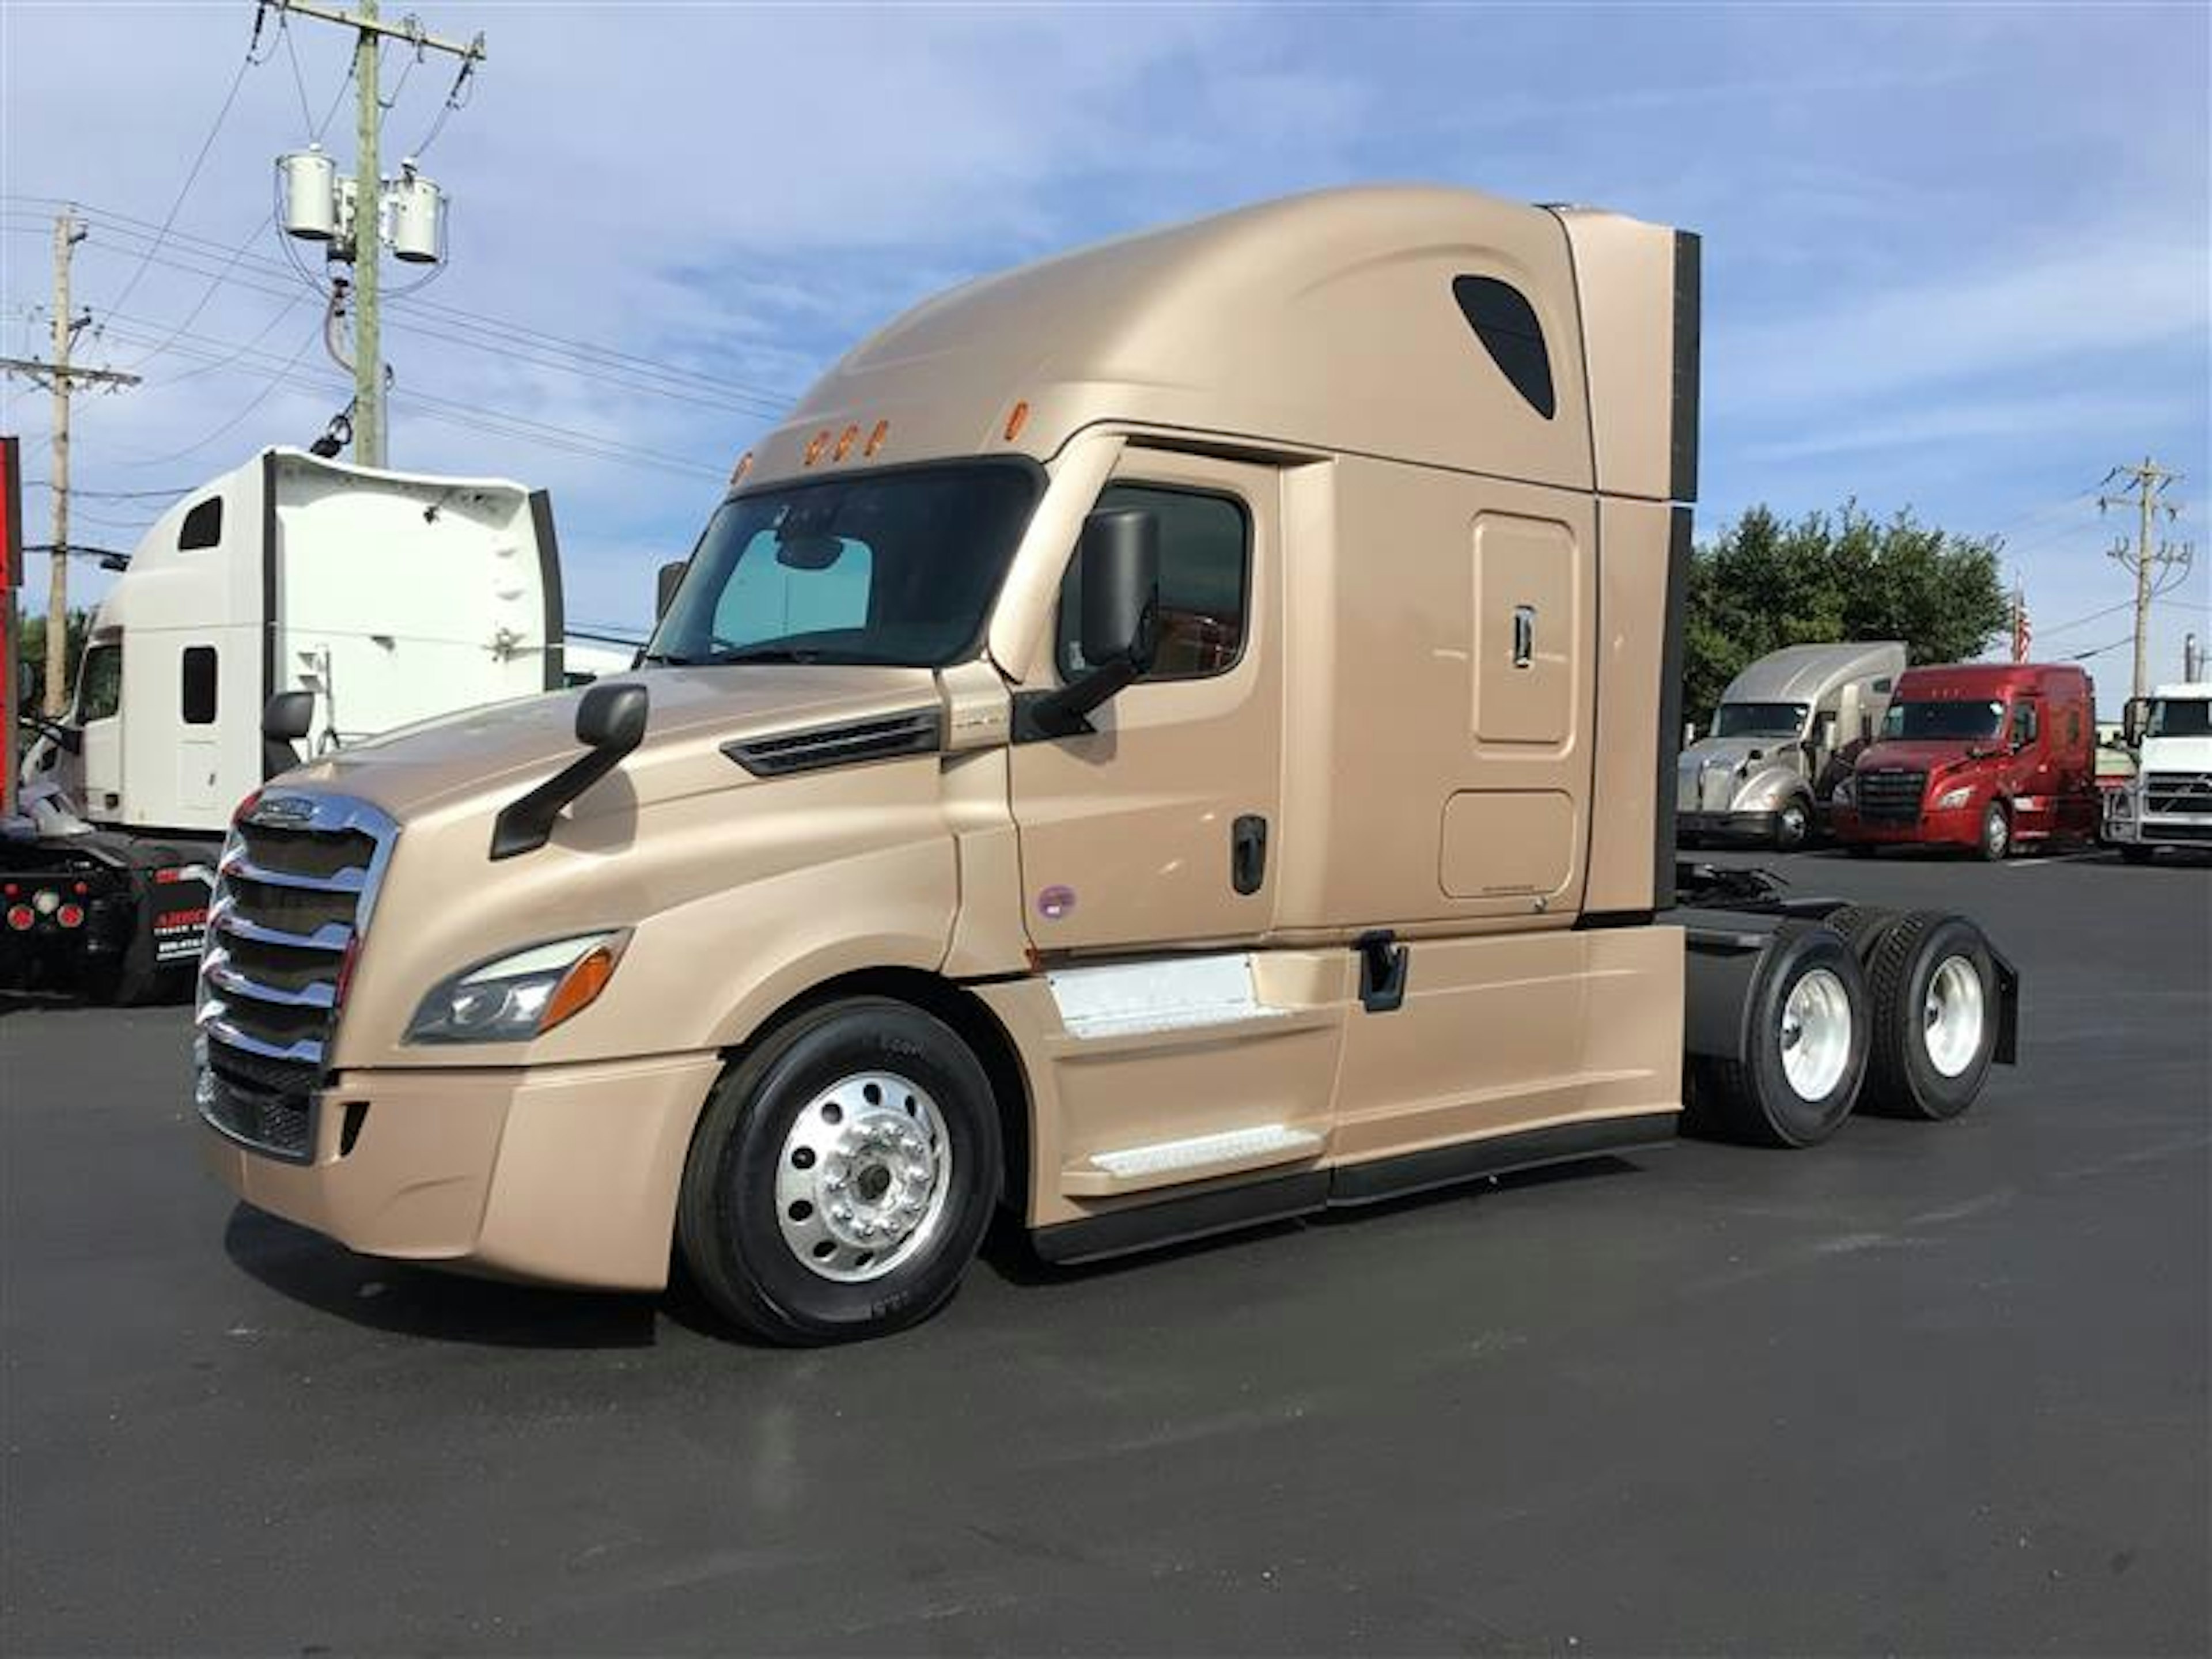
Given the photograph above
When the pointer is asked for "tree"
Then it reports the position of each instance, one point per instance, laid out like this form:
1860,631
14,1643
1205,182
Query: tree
1764,583
31,638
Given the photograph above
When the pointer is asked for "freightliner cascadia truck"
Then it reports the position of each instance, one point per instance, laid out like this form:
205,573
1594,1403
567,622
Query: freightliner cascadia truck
1176,735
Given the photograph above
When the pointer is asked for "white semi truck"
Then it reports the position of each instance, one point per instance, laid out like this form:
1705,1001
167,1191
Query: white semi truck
376,598
2168,801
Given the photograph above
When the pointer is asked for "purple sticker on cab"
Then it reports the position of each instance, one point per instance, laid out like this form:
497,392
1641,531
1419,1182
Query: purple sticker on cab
1054,902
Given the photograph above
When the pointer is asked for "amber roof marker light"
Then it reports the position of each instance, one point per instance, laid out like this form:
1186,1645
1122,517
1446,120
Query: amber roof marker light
876,440
816,445
845,439
738,473
1017,420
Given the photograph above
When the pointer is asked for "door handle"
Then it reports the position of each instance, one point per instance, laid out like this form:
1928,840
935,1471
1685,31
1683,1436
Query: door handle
1524,635
1247,852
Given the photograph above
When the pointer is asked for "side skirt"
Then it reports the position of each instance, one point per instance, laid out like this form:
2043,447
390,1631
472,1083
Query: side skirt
1224,1209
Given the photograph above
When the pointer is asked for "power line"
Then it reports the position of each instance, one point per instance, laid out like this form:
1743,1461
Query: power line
259,398
193,174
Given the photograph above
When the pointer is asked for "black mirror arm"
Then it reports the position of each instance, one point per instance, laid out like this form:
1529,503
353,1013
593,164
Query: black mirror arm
1066,713
526,824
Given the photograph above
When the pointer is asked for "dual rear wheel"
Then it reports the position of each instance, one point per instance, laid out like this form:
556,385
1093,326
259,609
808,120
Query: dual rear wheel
1893,1014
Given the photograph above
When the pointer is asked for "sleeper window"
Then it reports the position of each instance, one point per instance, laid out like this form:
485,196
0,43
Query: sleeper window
198,690
1205,582
203,526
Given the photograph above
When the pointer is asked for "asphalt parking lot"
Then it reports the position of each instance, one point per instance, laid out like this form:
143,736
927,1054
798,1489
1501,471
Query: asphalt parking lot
1927,1389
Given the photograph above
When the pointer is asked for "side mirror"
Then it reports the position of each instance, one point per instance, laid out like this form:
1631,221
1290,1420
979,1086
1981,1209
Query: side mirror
611,716
289,716
2131,721
665,581
1121,588
1118,624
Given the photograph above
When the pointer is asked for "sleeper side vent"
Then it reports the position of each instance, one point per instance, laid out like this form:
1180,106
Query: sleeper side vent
890,737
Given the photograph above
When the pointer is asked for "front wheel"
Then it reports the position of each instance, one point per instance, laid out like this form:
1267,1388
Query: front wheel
842,1176
1792,825
1996,833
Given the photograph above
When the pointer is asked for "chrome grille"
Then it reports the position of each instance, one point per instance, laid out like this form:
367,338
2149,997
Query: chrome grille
1891,795
292,894
2177,791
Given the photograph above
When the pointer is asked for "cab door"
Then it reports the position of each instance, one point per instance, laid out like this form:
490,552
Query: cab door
1160,829
99,720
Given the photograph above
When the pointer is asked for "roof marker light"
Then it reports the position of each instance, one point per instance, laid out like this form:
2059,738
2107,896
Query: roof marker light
876,438
738,473
1015,421
816,445
845,439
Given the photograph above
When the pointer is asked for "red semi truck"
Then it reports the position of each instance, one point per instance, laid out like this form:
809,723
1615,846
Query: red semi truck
1988,756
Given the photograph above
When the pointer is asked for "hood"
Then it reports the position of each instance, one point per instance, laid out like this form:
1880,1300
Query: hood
1924,756
1732,752
2176,755
508,746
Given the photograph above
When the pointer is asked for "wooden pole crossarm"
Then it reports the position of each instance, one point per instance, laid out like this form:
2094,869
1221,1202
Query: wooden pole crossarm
409,28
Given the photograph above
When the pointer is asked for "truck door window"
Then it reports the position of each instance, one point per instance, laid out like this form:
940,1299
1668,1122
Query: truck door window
1205,543
203,526
197,694
100,689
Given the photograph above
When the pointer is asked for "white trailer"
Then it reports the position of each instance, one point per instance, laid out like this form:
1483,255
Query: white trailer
388,598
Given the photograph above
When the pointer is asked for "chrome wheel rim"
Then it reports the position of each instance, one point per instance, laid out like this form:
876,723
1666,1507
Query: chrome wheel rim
1953,1017
1999,831
1816,1035
865,1173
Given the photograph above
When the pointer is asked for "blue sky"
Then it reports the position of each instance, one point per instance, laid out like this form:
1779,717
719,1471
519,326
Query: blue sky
1956,257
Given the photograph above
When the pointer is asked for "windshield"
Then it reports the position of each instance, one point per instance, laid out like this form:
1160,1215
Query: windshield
897,567
2177,717
1759,719
1941,722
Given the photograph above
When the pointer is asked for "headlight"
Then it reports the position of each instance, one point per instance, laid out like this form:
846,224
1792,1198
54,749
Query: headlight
2119,802
1847,792
515,998
1951,798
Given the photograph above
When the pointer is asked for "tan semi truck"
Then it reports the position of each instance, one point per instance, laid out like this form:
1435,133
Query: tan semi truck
1175,736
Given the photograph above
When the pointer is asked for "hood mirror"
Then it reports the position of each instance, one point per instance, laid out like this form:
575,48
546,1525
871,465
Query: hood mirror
610,723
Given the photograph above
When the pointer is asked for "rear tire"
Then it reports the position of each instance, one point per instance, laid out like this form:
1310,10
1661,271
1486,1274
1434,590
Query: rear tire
1935,1012
1861,925
1805,1043
842,1175
1995,839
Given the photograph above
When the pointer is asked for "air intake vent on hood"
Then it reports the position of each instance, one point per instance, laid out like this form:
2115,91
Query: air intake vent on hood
887,737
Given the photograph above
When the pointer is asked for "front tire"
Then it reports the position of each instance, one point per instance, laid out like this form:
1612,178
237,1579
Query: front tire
1995,839
1792,825
842,1175
1936,1010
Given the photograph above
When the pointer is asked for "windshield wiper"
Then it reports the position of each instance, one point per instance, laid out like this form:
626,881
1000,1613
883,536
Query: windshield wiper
765,653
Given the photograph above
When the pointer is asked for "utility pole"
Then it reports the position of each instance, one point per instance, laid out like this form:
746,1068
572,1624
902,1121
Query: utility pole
62,377
370,32
2157,568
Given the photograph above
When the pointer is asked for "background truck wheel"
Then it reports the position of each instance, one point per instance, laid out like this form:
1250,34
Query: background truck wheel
1791,825
2135,852
1935,1012
1997,832
842,1175
1803,1047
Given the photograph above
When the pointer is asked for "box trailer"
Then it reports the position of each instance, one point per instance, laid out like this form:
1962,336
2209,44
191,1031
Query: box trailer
1179,735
